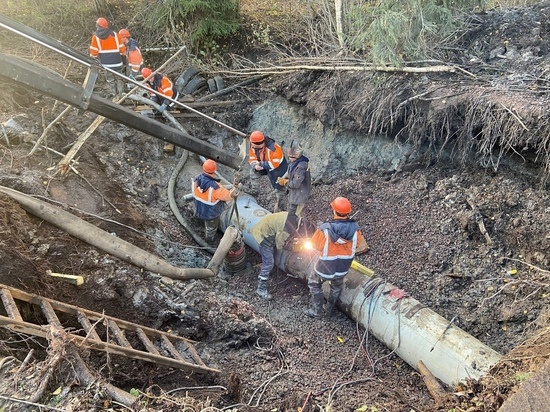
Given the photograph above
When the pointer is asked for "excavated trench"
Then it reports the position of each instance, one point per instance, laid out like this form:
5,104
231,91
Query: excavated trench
422,223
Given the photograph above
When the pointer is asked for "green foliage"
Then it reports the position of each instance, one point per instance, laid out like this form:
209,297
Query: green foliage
199,22
399,30
521,376
51,17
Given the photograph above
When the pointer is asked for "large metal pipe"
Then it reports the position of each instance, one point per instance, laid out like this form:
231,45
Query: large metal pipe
406,326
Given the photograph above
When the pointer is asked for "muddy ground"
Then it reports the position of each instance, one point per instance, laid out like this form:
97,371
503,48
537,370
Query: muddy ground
422,224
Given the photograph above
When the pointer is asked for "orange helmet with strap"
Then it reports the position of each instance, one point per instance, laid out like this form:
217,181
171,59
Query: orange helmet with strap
124,33
209,166
341,206
146,72
257,137
102,22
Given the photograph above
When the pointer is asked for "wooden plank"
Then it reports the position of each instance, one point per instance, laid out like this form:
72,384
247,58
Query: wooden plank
116,326
50,314
118,333
10,305
147,342
92,316
171,348
87,325
42,331
193,353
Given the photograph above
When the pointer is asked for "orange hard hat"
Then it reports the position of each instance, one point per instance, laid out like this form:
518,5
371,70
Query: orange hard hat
124,33
341,206
146,72
102,22
209,166
257,137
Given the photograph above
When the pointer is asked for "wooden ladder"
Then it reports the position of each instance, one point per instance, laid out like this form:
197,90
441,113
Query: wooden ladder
97,331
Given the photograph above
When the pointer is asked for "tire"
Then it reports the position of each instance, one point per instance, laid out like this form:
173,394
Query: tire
194,84
185,77
212,86
219,83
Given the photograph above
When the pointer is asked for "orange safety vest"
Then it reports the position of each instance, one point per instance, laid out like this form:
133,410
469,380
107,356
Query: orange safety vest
209,196
336,255
163,85
109,50
133,54
273,155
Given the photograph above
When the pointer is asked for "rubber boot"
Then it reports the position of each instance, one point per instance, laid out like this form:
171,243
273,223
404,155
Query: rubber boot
210,229
119,86
333,296
279,201
262,290
315,309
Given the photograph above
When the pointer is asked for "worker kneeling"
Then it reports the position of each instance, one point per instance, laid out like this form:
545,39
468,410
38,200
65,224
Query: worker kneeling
210,198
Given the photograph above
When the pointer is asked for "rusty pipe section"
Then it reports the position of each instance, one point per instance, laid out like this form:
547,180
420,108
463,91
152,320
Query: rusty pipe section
415,332
117,247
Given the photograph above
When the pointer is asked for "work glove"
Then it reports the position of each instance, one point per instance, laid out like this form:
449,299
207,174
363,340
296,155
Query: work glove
162,107
281,181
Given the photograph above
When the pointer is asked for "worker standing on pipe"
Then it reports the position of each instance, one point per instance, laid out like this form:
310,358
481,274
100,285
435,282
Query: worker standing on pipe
266,157
297,181
336,242
210,198
107,45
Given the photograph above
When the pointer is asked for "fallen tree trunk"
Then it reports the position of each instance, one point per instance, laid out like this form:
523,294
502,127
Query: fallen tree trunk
104,240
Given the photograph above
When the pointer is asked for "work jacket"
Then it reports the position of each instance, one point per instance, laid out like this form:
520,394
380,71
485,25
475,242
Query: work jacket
299,181
336,241
209,196
271,225
134,57
108,47
271,157
163,85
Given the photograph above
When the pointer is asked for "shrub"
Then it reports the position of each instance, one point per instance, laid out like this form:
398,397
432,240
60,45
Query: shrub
196,22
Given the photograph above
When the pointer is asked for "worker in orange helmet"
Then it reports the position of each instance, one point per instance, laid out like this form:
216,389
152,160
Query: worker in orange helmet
266,157
161,88
133,54
210,198
336,242
108,47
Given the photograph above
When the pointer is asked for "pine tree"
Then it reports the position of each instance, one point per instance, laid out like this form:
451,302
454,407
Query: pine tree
199,21
399,30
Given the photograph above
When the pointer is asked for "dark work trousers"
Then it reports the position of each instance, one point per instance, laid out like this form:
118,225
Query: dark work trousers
267,251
